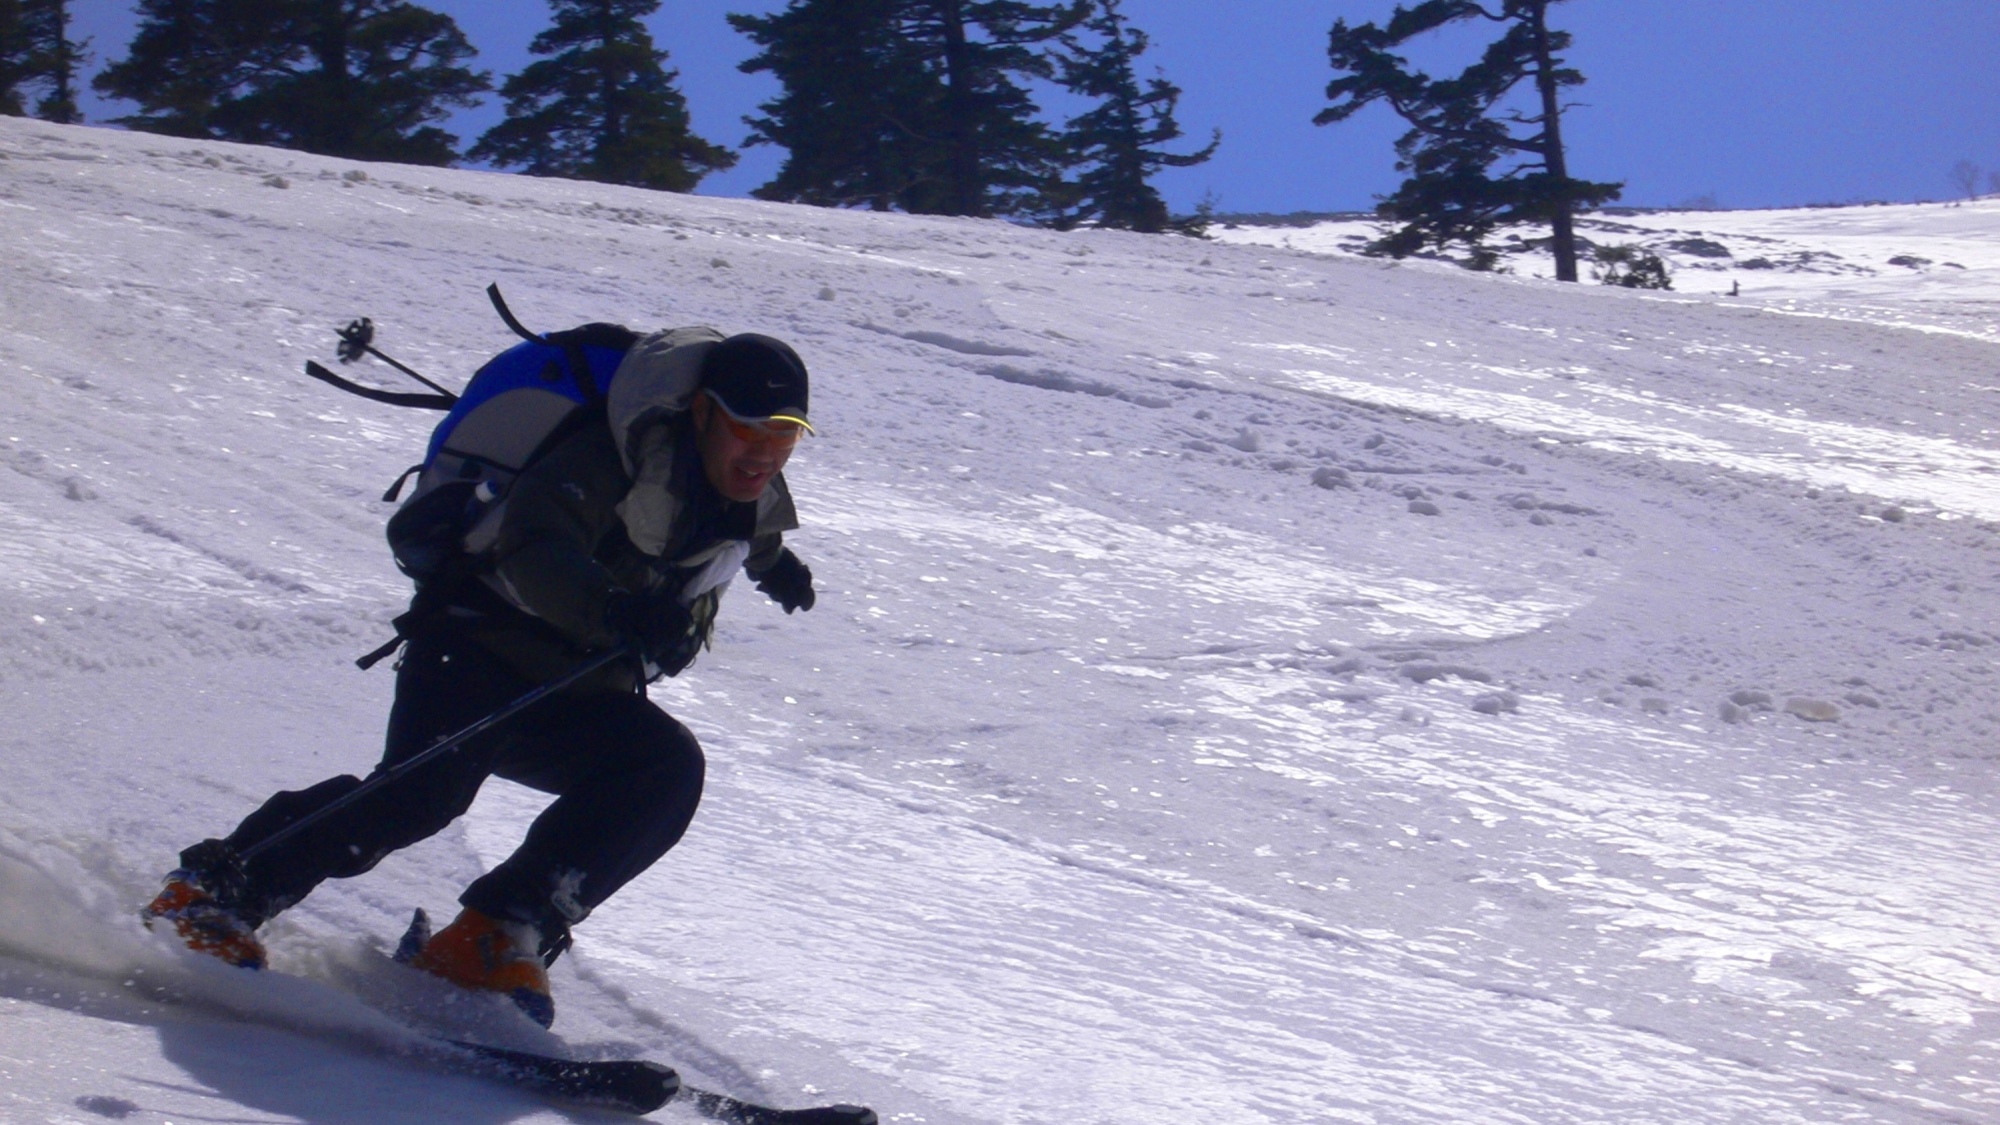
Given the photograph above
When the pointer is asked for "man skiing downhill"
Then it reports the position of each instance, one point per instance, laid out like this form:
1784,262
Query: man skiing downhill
621,535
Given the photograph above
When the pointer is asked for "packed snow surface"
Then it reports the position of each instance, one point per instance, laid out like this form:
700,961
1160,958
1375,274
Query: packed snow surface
1249,684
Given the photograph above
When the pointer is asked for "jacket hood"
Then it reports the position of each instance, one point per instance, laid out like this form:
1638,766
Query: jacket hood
656,381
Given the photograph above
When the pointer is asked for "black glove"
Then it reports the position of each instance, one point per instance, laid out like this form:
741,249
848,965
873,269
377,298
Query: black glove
656,625
788,582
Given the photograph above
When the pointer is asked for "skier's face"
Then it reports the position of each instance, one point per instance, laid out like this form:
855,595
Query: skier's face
739,457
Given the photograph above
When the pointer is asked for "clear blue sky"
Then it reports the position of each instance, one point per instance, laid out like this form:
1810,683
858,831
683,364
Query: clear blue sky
1759,103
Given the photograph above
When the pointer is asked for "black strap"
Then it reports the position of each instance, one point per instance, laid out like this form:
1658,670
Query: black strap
573,341
579,367
396,489
428,607
393,398
571,345
552,947
376,657
507,315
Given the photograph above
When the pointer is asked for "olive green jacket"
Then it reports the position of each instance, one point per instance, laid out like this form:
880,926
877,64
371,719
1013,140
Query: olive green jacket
561,551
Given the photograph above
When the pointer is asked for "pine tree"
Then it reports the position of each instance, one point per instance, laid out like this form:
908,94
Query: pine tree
375,75
853,96
364,79
191,57
600,107
1117,142
16,59
56,58
36,51
912,102
993,156
1469,172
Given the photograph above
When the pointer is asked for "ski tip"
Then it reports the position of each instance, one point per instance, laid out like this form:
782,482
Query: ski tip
637,1086
668,1078
724,1108
413,939
652,1086
833,1115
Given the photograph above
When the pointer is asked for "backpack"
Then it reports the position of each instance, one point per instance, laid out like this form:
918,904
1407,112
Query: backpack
520,404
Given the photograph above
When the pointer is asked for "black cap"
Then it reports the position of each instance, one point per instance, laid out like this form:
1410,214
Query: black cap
757,377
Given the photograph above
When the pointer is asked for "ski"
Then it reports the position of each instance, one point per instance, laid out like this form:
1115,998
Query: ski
629,1085
637,1086
724,1108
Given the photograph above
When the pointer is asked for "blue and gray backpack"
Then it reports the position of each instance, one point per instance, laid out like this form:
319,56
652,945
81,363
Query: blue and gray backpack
519,405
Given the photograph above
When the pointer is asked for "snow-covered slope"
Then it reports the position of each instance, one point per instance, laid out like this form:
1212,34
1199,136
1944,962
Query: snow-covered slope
1252,683
1875,262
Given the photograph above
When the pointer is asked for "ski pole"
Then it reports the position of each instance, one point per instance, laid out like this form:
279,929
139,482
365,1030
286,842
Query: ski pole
438,749
358,339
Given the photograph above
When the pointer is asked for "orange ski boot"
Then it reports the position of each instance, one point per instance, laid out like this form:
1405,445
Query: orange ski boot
204,924
486,955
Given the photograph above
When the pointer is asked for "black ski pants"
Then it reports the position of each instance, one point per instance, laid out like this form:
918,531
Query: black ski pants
627,777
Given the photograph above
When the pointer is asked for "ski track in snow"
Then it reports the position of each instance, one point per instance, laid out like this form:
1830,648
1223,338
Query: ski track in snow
1301,687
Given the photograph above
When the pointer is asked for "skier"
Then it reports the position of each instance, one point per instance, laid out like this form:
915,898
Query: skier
622,534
